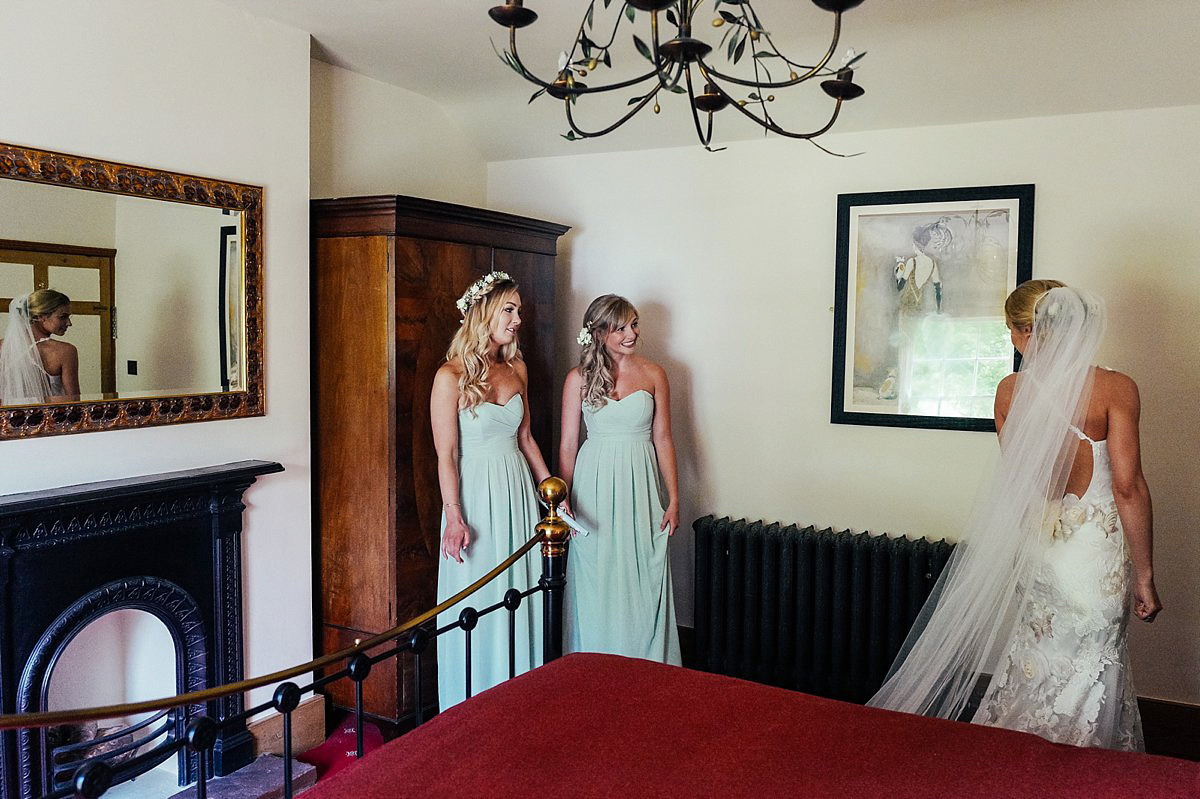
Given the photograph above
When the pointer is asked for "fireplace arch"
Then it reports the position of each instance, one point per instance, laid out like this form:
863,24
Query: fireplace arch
163,599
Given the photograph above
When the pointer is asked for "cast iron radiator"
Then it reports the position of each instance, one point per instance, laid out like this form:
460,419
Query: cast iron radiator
817,611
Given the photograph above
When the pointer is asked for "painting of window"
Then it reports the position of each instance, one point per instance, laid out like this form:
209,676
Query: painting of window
919,337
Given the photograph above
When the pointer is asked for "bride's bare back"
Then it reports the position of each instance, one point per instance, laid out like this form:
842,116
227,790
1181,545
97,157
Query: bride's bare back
1113,414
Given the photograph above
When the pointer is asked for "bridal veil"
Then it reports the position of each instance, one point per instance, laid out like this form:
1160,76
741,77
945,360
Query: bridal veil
960,634
23,380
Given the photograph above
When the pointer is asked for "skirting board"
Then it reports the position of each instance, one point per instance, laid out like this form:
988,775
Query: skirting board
308,729
1171,728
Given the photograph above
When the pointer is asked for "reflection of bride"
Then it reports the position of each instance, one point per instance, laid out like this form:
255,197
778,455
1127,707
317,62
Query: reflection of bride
34,368
1027,621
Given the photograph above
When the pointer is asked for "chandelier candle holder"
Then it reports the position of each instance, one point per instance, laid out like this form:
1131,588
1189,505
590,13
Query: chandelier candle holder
684,64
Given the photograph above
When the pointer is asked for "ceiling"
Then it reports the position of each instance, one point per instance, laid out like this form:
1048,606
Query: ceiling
929,62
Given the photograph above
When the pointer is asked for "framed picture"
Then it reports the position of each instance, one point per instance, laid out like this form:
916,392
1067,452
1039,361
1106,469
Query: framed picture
919,335
231,304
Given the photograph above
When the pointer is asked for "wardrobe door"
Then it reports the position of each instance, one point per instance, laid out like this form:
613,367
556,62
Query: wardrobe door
427,276
354,428
534,272
427,273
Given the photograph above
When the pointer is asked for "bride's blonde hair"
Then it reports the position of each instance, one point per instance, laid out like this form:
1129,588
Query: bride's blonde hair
605,314
1021,304
46,301
470,343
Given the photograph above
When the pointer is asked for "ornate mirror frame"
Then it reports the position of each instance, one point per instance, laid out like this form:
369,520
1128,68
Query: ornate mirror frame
60,169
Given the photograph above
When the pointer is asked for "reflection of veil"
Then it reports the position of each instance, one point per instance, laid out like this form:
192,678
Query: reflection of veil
975,604
23,380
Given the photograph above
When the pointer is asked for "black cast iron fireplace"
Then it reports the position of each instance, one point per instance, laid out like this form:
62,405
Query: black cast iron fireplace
168,544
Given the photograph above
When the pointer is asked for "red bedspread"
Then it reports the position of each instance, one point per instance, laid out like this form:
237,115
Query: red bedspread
599,725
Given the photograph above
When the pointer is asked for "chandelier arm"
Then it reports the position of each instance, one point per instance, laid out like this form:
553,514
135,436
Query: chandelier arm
666,80
827,151
704,139
616,26
654,41
770,124
663,78
582,24
528,75
811,72
592,134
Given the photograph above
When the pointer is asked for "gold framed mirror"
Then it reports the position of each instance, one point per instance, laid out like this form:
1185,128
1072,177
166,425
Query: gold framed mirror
164,276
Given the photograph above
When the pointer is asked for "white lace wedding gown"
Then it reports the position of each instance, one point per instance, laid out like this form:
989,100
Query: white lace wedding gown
1065,673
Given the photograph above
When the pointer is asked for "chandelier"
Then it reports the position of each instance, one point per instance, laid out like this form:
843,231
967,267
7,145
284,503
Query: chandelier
683,64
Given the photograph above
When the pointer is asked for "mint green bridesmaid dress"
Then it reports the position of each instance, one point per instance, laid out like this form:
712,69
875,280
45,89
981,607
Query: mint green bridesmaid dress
618,596
501,509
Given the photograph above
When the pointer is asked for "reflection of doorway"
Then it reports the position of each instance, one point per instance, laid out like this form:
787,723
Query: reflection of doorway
85,274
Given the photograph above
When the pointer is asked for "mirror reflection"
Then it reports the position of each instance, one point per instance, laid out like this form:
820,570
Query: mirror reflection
147,295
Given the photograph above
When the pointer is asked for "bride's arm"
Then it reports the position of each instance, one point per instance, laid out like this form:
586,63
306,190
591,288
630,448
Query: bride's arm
1004,395
1131,492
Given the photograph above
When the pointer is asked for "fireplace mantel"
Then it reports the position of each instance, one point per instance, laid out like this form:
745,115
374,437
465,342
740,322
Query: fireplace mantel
166,543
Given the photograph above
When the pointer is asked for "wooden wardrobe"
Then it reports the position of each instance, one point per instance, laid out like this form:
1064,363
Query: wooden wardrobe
386,272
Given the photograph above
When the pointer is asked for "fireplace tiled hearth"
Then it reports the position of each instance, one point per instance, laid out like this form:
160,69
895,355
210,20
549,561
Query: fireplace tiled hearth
168,544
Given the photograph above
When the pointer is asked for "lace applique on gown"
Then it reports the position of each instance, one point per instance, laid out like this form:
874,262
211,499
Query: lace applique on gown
1065,672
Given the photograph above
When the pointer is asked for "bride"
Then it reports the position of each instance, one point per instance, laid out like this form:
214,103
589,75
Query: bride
1028,619
34,368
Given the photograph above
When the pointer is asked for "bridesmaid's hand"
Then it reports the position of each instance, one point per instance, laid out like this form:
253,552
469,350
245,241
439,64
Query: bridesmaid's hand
455,539
1146,604
670,519
565,507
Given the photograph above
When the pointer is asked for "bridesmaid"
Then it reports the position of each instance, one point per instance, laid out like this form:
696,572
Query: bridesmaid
480,416
618,593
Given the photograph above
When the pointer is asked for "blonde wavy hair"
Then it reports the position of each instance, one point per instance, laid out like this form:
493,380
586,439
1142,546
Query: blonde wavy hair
1021,304
46,301
470,344
604,315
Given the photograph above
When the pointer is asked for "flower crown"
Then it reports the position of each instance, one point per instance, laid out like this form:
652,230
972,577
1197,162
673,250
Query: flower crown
479,289
585,335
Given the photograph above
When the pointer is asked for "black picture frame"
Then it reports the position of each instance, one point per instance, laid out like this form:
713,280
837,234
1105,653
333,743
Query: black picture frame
229,309
917,343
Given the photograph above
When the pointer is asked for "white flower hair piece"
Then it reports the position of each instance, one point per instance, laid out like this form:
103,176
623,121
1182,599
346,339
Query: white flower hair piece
585,335
479,289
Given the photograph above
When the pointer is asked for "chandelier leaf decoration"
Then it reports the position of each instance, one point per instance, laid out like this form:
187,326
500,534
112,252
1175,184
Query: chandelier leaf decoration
684,64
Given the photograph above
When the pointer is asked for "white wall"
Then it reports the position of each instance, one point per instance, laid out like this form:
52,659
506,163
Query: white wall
729,258
83,218
199,88
370,137
167,296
